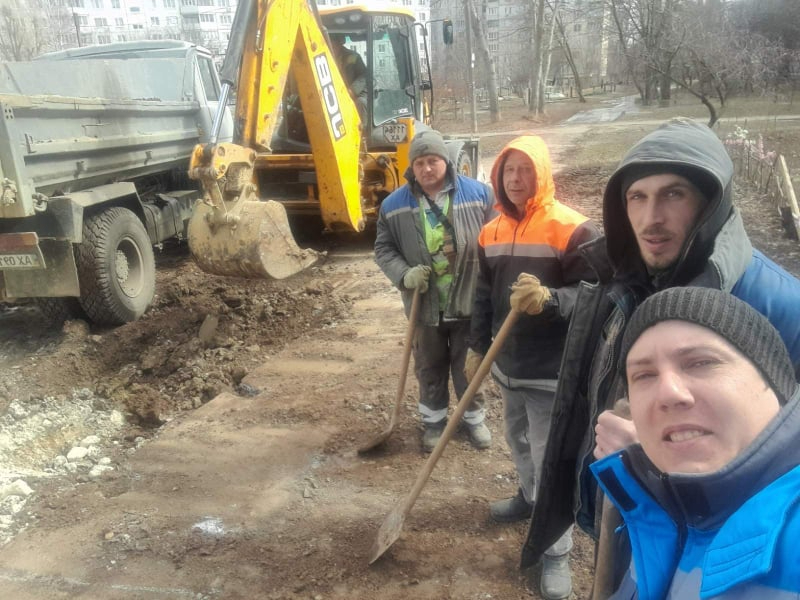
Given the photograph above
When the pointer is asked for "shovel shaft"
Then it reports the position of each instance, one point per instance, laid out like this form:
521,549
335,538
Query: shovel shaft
393,523
407,342
460,409
378,439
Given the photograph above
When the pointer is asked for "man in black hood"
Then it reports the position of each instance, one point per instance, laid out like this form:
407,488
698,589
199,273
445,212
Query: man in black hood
669,221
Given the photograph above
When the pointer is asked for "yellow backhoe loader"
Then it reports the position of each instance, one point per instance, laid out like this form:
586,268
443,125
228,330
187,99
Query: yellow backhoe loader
304,142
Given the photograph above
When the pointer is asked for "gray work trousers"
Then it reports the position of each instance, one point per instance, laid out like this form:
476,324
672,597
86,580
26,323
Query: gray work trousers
527,405
439,353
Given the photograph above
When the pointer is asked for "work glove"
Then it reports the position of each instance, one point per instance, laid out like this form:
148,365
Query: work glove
528,295
416,278
471,364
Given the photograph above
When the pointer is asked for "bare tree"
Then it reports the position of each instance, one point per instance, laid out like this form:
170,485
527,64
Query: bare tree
481,43
22,34
563,42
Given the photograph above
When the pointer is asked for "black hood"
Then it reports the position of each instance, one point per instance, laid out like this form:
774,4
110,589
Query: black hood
682,144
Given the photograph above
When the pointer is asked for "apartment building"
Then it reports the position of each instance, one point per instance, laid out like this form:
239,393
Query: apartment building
206,22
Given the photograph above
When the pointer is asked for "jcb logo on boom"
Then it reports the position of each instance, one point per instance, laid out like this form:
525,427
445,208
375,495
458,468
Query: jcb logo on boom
329,93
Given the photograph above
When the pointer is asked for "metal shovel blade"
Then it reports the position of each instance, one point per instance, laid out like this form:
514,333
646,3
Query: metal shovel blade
393,523
378,439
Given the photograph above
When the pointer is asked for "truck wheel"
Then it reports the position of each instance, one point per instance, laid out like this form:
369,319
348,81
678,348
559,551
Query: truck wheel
57,310
464,164
116,268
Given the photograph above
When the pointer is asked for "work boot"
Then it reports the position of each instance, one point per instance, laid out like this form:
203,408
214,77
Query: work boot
556,583
479,435
431,435
511,510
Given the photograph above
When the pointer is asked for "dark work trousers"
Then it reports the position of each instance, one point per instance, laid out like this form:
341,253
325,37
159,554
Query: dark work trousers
439,353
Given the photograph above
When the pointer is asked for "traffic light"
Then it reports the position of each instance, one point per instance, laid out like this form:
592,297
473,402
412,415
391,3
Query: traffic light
447,31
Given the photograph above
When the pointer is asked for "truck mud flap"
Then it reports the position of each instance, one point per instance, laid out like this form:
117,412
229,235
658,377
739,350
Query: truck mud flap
257,243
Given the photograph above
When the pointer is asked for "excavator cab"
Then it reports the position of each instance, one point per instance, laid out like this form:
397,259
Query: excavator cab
315,135
384,44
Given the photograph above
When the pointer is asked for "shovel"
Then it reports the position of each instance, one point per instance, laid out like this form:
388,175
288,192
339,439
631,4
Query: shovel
393,523
401,385
603,586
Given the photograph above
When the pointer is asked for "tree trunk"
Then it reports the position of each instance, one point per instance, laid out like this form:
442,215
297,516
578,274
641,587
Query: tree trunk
570,59
548,56
538,55
482,51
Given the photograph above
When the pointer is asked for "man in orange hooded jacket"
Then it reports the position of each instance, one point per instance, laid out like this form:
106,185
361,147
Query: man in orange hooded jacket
528,260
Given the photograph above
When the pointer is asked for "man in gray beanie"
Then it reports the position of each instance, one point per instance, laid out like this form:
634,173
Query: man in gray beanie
669,221
427,241
709,496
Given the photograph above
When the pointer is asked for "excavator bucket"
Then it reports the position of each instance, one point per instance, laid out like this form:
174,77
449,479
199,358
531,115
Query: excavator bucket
232,231
259,245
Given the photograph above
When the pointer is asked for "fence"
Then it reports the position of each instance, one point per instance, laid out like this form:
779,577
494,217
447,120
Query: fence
769,173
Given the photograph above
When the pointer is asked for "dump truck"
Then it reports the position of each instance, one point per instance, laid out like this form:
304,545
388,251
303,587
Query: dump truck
305,142
95,145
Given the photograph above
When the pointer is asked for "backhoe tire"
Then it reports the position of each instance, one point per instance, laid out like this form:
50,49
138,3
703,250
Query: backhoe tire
57,310
116,267
464,164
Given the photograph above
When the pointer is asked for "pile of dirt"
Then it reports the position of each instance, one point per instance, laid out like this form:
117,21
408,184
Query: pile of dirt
200,338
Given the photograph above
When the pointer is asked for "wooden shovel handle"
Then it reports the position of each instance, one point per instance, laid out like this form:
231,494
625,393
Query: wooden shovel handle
407,342
460,409
603,586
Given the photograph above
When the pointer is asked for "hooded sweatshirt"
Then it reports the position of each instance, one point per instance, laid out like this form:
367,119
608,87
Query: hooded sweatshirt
717,253
544,243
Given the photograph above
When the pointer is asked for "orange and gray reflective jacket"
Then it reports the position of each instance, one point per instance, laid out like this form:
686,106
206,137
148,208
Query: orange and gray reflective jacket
543,243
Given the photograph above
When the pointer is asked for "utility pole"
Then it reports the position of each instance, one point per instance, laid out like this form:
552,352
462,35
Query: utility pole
470,61
77,20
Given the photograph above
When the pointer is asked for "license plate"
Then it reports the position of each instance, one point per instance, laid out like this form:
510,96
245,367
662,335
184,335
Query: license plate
20,261
395,133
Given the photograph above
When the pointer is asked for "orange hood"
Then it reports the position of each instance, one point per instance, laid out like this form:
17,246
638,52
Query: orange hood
535,148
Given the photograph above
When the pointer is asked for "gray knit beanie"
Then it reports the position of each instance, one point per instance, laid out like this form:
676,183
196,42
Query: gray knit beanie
427,142
727,316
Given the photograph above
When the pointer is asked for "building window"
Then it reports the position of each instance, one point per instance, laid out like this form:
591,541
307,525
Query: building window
97,3
83,20
122,37
103,39
137,26
134,9
205,2
206,18
100,22
154,21
115,4
169,3
172,21
156,36
76,3
576,28
492,12
225,19
119,21
422,16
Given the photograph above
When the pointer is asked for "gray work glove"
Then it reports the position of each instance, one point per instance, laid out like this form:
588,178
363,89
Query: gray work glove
528,295
416,278
471,364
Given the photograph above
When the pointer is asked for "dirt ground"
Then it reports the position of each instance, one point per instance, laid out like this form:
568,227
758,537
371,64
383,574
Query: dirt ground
234,474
